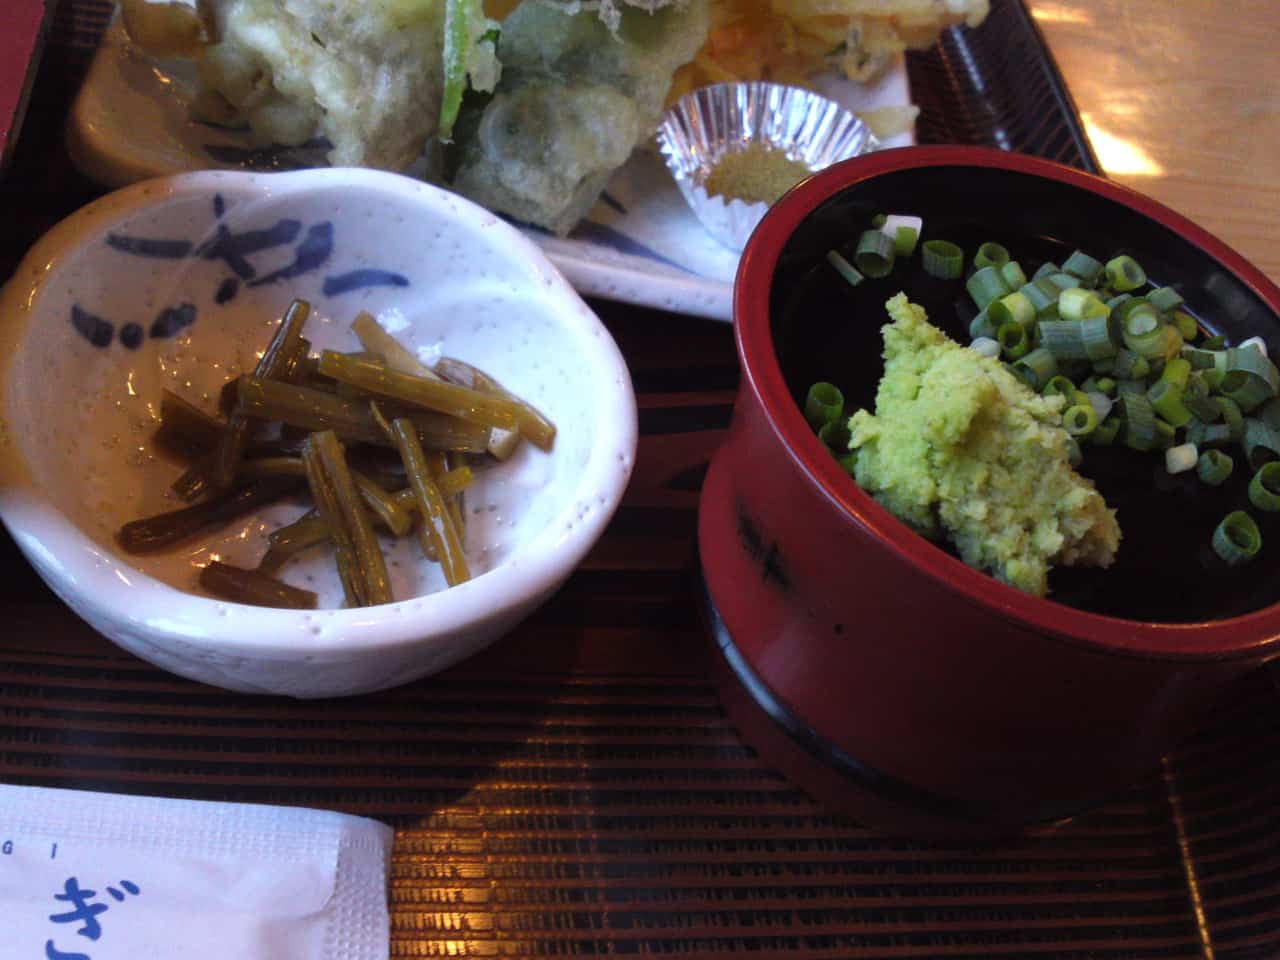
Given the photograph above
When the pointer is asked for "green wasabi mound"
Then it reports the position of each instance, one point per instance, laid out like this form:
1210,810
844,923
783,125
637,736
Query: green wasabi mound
960,447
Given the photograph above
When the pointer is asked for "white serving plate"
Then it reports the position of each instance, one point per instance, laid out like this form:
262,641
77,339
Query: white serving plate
640,244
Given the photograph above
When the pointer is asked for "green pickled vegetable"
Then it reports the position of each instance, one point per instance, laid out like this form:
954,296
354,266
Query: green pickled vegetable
175,526
253,587
361,566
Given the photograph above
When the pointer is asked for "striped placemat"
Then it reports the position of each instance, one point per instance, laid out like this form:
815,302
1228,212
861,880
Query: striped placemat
576,790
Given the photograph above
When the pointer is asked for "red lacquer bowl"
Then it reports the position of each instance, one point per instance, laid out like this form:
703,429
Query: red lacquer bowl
873,666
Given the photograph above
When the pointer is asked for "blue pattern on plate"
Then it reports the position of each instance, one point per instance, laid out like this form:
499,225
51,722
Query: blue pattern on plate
236,251
589,231
173,320
360,279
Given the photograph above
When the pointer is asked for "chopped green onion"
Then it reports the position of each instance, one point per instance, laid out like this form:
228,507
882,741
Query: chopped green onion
844,268
904,230
1150,345
1173,342
1043,296
1036,368
1145,335
1124,274
1131,388
1237,539
1064,281
981,326
1044,270
1199,358
1118,300
942,259
986,346
823,404
1216,342
1269,413
1251,379
1261,443
1063,338
1164,299
1081,265
1264,488
990,255
1186,324
1177,371
1205,435
1059,386
1013,340
1214,467
1102,404
1130,366
835,434
1078,303
875,253
1166,434
1080,420
879,220
1128,305
1139,422
1232,416
1096,336
1181,458
1012,308
1013,274
1199,402
1138,318
1256,343
986,286
1251,360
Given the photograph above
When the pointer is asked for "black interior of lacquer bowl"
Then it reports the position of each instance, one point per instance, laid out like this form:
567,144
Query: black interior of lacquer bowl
826,330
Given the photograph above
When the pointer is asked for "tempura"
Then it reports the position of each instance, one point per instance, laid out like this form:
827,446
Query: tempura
574,100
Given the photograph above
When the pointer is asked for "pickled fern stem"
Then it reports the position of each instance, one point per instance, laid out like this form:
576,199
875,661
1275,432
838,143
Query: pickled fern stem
273,365
534,426
361,566
253,587
436,529
166,529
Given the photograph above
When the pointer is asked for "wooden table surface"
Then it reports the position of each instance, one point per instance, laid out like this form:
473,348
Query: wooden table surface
1182,102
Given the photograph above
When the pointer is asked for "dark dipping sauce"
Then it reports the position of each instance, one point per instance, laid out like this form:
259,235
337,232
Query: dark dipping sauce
824,329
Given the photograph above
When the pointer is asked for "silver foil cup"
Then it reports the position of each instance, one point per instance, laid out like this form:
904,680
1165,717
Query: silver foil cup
707,124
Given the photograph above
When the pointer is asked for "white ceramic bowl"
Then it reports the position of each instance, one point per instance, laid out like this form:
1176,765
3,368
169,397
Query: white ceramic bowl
177,283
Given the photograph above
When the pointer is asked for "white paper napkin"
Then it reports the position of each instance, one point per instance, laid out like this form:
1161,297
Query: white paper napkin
94,876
